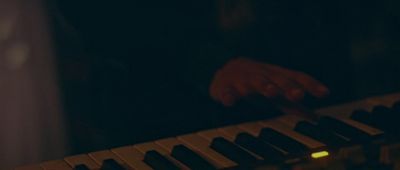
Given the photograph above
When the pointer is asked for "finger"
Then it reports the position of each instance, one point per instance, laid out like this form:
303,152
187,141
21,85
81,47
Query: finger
221,90
223,94
311,85
263,86
229,97
291,89
314,87
218,83
242,86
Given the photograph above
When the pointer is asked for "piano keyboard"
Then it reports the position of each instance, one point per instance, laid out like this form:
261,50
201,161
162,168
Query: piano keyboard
358,135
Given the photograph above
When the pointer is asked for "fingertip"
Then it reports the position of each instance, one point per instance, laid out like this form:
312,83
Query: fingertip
295,95
228,103
228,100
270,90
322,91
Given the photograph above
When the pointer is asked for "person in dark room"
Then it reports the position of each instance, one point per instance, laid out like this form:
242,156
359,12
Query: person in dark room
150,69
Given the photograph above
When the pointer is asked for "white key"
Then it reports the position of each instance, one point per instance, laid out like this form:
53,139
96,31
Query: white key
170,143
100,156
253,128
231,131
234,131
309,142
202,145
290,120
56,165
344,110
368,129
132,157
354,153
30,167
386,100
145,147
211,134
82,159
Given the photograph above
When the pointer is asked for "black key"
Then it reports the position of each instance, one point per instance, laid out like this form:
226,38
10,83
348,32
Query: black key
158,162
382,117
259,147
396,106
81,167
329,138
386,119
282,141
362,116
190,158
380,109
343,129
383,112
111,164
232,151
396,110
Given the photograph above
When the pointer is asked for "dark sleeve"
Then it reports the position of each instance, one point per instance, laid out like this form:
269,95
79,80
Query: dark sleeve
203,61
203,48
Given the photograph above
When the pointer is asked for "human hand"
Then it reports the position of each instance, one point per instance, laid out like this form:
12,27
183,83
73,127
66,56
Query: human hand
242,77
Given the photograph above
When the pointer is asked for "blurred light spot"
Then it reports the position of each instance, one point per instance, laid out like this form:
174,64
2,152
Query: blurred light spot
17,55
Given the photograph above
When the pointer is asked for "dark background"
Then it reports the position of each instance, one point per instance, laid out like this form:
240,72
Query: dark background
137,71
